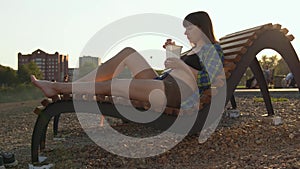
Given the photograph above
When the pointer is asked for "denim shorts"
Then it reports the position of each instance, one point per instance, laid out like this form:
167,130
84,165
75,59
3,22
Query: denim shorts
172,90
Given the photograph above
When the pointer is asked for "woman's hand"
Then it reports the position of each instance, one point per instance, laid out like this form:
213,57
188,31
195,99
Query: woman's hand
168,42
174,63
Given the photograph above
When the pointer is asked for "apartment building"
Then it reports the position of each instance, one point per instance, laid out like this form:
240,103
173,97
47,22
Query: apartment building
89,59
54,66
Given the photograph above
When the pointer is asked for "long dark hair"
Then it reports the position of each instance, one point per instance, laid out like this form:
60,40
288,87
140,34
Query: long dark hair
202,20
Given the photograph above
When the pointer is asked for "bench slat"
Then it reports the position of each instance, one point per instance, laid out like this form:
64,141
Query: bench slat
66,97
276,26
38,109
232,51
55,98
290,37
251,35
205,99
232,57
248,30
46,102
284,31
100,98
90,97
78,96
243,42
230,66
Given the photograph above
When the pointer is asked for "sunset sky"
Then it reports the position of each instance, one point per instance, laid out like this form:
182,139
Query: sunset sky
66,26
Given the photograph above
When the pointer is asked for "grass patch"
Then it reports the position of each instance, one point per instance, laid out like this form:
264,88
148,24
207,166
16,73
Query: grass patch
273,99
21,92
241,87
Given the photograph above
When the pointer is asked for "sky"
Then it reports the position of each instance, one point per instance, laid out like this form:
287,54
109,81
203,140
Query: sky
66,26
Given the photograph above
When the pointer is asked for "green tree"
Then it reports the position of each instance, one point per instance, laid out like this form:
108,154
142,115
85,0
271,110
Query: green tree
281,68
26,70
8,76
271,62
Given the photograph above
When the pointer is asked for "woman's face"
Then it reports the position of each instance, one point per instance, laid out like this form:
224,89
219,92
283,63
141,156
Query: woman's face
194,34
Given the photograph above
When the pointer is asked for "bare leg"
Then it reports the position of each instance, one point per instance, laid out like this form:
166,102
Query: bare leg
51,88
139,89
128,57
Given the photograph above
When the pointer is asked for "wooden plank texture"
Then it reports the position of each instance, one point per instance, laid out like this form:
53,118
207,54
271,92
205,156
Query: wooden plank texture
247,31
290,37
251,35
232,51
243,42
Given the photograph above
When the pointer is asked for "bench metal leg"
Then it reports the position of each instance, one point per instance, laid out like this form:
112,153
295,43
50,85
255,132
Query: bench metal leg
55,124
258,74
38,135
233,102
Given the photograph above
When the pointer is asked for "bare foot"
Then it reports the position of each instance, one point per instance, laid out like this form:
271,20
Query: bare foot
45,86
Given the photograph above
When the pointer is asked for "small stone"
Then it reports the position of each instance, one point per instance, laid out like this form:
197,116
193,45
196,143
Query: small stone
258,141
277,120
291,136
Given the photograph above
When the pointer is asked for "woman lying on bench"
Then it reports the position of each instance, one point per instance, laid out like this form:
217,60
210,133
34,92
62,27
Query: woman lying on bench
189,76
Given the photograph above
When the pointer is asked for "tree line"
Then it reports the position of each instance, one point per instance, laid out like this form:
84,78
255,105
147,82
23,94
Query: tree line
11,78
276,65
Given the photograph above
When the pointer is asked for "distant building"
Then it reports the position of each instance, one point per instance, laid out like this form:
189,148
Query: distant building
89,59
71,73
54,66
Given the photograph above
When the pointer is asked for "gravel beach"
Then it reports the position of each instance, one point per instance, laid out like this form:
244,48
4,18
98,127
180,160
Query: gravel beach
248,141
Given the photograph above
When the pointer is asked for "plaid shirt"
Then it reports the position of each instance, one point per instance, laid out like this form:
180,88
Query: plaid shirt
211,59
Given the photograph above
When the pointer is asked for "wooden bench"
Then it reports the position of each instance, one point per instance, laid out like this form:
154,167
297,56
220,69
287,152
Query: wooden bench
240,49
